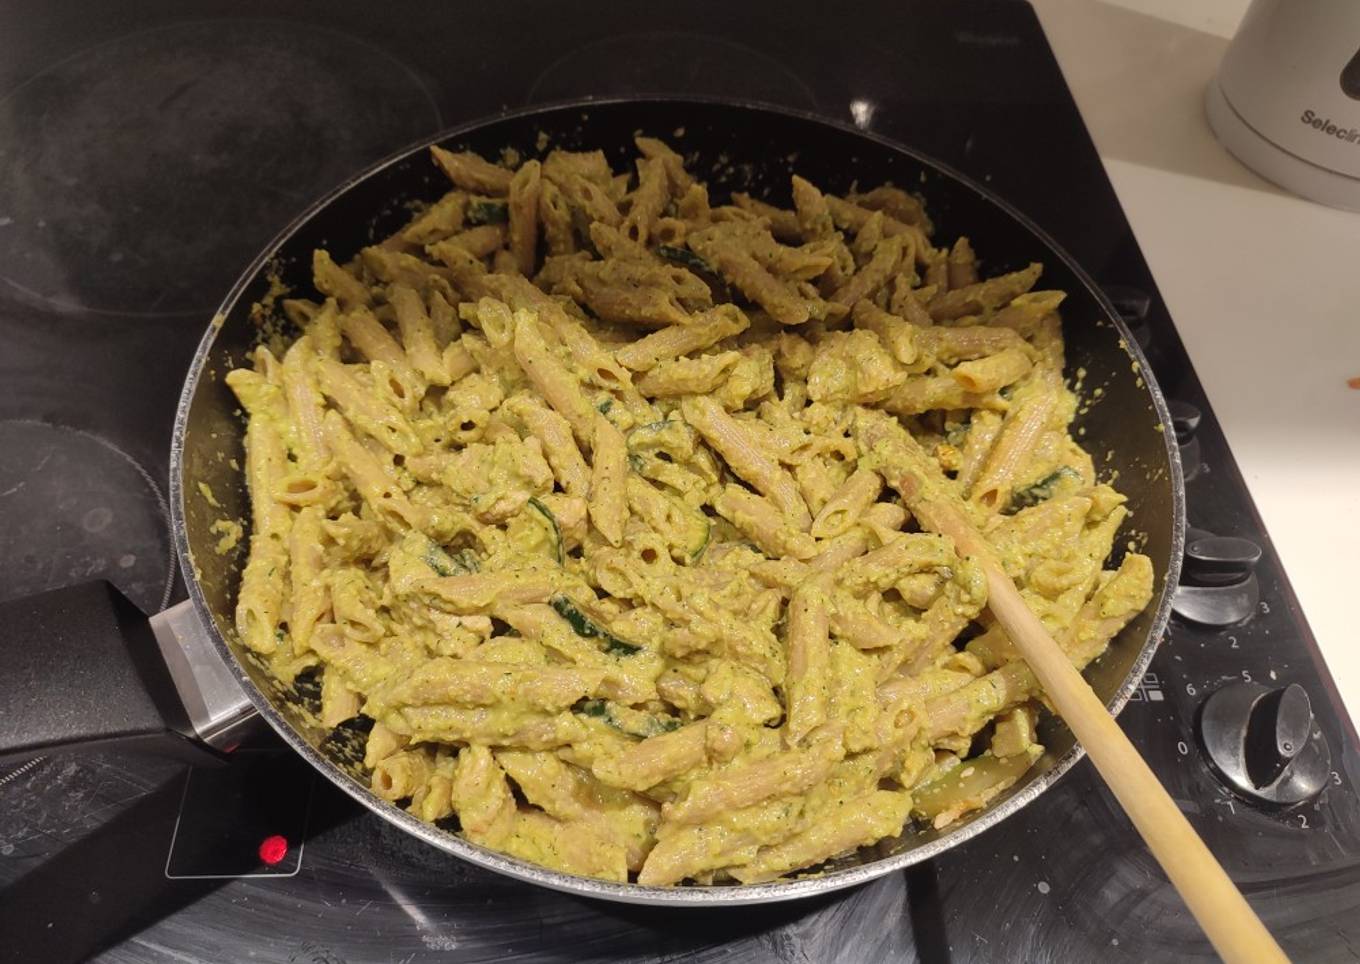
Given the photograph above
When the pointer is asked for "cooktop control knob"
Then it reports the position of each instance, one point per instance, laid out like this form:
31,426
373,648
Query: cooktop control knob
1262,743
1218,584
1132,304
1185,419
1220,560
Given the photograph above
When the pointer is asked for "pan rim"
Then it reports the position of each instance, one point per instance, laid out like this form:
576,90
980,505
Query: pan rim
724,895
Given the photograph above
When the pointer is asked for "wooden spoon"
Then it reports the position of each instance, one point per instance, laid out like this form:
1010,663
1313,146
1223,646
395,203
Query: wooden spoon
1225,916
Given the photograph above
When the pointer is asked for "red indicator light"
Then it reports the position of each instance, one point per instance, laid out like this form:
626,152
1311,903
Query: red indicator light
273,849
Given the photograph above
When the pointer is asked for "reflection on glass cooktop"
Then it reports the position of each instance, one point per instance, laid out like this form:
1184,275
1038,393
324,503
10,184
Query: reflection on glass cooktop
147,152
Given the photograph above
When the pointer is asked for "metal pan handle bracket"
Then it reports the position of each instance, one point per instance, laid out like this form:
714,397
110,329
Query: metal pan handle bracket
218,709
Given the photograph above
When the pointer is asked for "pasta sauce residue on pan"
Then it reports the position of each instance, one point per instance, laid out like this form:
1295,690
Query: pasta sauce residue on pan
572,487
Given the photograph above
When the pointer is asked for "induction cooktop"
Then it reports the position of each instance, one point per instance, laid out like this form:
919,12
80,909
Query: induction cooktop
149,149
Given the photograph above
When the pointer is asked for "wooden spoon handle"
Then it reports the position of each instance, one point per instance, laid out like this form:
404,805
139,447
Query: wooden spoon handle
1228,920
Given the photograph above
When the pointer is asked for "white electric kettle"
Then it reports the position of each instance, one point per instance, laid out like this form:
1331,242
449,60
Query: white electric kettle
1286,100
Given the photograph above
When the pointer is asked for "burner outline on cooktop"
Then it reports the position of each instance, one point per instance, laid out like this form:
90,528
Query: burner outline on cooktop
166,587
113,268
595,53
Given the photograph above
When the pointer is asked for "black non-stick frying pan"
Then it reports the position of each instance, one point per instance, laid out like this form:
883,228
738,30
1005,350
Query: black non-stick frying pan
71,676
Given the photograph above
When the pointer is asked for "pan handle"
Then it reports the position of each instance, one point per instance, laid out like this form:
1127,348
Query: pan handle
84,667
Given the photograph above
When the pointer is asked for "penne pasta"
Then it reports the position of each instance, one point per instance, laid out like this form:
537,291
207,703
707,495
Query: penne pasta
552,379
809,678
844,509
525,190
746,458
469,172
707,330
588,490
417,335
609,481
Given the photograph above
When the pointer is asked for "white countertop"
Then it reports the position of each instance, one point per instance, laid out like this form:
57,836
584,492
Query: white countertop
1264,286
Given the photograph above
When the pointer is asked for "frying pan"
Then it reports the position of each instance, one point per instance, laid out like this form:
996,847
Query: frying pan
191,686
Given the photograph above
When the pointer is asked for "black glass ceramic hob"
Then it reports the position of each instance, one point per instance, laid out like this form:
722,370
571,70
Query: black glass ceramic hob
149,149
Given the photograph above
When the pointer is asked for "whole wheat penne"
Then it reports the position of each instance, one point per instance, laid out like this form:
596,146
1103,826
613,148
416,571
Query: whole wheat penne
849,825
808,684
365,409
673,164
484,591
852,622
609,480
338,702
854,217
990,374
674,341
647,201
983,429
984,295
908,552
586,353
844,509
506,725
962,265
697,850
260,600
656,758
1019,433
630,576
785,773
552,379
334,281
554,214
306,559
814,218
368,335
590,198
966,709
897,335
403,774
481,796
305,404
399,267
761,521
417,335
783,223
888,255
434,801
743,271
559,447
592,165
573,796
469,172
438,221
481,241
746,457
924,393
466,682
895,202
962,342
525,188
